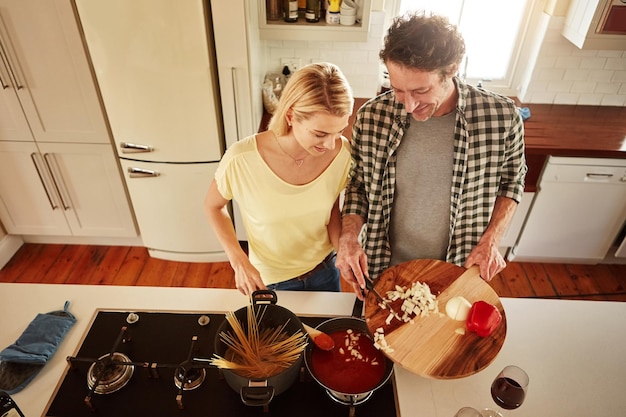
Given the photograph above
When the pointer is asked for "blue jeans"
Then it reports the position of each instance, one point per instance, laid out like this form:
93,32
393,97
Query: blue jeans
325,279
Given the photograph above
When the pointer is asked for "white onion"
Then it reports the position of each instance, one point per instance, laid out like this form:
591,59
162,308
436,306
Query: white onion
457,308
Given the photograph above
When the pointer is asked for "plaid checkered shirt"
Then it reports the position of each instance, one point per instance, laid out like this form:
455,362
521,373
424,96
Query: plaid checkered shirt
489,161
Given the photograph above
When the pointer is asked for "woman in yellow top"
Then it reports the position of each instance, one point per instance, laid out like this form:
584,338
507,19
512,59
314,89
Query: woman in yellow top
287,181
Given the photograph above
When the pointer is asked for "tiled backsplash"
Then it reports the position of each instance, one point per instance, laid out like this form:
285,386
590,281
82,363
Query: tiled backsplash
358,60
565,74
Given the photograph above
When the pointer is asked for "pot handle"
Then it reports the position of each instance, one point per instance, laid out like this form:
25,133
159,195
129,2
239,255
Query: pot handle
264,297
357,309
256,396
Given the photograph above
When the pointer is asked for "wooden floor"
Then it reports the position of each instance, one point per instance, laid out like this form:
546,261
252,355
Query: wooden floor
122,265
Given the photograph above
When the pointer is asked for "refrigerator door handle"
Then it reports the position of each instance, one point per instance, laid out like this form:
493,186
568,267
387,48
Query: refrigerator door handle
142,173
128,147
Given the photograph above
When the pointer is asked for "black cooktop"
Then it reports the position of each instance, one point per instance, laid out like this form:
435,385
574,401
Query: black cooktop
165,337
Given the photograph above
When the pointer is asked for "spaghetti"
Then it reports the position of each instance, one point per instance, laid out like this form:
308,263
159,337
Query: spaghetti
257,352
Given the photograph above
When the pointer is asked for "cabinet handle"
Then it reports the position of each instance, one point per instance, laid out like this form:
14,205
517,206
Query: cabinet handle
33,156
3,84
7,62
128,147
598,176
58,182
142,173
233,72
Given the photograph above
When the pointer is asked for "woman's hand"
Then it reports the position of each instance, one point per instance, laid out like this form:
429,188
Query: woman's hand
247,277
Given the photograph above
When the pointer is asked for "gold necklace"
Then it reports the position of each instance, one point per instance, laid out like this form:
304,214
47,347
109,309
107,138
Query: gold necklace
298,162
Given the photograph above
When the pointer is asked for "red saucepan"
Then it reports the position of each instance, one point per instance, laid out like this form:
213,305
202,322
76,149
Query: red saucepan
348,378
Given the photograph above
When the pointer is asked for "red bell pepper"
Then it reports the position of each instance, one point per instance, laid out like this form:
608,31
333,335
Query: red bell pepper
483,318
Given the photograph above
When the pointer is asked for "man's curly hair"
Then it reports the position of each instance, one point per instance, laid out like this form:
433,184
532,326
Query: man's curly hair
426,43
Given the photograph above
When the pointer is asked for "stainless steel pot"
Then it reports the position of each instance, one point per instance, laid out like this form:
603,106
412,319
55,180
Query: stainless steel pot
341,324
260,392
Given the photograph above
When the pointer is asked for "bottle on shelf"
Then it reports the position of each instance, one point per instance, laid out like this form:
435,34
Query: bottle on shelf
313,11
290,11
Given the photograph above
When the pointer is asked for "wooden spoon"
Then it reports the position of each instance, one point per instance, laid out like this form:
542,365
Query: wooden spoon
320,339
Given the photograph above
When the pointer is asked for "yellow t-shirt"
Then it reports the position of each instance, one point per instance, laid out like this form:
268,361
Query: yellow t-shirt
285,223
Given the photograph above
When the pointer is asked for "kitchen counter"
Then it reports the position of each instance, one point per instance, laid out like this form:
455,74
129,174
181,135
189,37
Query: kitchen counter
573,351
578,131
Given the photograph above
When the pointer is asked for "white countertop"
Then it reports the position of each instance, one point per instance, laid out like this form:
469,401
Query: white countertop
573,351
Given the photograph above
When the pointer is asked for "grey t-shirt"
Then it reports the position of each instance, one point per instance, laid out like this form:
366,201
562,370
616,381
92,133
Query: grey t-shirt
420,218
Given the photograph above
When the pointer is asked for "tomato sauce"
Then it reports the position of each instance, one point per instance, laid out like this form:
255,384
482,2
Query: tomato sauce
354,366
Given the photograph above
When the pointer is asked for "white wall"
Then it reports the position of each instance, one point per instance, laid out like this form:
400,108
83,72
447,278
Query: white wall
563,74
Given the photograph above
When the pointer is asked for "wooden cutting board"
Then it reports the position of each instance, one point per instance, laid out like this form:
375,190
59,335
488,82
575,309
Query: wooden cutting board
430,346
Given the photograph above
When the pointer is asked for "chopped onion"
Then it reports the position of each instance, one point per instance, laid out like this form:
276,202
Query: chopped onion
417,301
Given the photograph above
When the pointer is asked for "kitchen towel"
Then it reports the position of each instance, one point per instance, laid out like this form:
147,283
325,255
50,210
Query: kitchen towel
22,361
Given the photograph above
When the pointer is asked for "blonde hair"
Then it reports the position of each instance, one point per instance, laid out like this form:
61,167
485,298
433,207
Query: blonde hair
314,88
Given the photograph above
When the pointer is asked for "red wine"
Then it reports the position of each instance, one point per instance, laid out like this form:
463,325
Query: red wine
507,393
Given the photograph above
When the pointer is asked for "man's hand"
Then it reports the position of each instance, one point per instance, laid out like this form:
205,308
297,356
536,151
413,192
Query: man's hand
486,254
351,259
488,258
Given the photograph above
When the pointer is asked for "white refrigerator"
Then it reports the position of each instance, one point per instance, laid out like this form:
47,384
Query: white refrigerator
154,61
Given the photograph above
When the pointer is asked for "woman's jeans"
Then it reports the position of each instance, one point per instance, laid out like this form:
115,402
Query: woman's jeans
325,277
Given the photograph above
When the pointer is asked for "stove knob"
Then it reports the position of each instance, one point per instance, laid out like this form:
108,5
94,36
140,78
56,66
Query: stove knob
204,320
132,318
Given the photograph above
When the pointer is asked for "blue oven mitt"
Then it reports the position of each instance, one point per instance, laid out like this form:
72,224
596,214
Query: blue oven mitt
524,112
22,361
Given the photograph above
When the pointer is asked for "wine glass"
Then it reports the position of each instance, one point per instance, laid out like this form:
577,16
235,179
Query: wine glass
468,412
508,390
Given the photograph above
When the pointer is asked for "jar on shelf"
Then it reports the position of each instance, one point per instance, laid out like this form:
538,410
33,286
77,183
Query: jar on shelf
333,15
273,10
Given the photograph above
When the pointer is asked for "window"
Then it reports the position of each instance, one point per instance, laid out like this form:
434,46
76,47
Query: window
493,32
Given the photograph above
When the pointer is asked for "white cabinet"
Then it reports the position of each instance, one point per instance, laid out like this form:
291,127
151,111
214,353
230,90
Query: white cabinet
58,171
62,189
512,232
28,204
45,75
241,109
320,31
584,22
577,213
238,50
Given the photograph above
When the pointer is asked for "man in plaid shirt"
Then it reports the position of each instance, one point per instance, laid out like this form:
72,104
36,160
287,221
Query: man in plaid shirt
440,164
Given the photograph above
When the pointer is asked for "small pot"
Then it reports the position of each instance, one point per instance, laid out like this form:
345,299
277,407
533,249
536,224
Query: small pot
341,324
260,392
